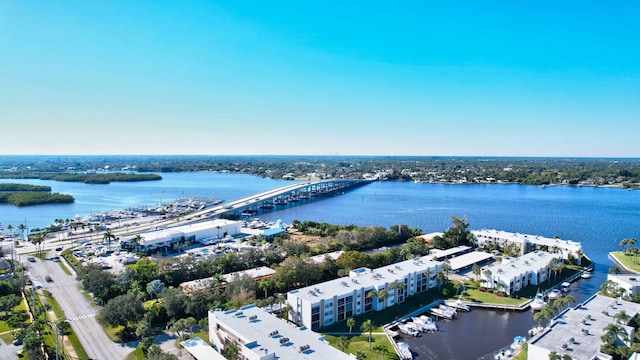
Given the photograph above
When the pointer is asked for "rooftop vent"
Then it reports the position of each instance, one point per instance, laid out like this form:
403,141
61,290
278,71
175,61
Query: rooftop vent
564,346
605,313
344,283
304,348
583,321
317,290
588,316
238,313
284,340
273,333
571,340
390,270
253,317
585,332
354,280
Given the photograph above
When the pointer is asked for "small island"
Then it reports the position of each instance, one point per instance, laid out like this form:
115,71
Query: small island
83,177
25,195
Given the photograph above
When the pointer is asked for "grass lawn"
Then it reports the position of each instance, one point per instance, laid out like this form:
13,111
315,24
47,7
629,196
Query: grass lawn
631,262
473,294
7,338
360,342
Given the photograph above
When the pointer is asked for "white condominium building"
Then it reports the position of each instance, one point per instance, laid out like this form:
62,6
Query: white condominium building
517,273
528,243
364,290
259,335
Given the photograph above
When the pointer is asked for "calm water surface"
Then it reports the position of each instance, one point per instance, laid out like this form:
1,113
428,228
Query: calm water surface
597,217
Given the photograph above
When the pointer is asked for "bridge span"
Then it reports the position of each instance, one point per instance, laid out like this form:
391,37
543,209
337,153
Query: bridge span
273,199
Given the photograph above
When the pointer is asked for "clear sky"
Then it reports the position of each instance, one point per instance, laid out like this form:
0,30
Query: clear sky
476,78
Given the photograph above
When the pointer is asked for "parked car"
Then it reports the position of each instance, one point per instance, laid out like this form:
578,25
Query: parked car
59,248
17,342
48,278
31,259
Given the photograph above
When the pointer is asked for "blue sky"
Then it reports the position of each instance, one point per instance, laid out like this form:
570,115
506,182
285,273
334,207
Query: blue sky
505,78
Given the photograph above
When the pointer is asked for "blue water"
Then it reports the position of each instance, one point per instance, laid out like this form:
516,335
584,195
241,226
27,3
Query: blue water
597,217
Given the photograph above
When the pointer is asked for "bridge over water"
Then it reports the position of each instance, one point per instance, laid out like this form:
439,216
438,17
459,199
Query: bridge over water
271,200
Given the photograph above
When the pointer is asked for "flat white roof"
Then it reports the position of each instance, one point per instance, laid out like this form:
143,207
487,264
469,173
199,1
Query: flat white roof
364,278
200,350
317,259
534,239
468,259
591,316
200,284
512,267
257,329
448,252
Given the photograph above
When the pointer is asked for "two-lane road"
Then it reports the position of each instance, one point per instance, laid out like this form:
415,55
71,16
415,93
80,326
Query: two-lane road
80,313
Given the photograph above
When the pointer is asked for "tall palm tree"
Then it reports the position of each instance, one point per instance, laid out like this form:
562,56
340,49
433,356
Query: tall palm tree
372,294
427,274
368,326
351,322
135,241
487,274
22,228
622,317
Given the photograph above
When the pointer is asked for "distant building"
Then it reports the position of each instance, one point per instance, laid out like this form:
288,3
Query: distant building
195,232
259,335
630,283
517,273
577,332
527,243
202,284
336,300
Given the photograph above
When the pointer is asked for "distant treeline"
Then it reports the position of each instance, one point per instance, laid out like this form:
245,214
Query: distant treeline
26,198
87,178
624,172
23,187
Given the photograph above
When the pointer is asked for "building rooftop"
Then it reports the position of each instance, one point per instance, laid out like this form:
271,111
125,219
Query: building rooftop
535,239
577,331
443,254
365,278
462,261
631,279
200,350
512,267
263,334
201,284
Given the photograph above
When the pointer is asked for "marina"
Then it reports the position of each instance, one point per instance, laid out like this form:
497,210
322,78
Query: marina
555,211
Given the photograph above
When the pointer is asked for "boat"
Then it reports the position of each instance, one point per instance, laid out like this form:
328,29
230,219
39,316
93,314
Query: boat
538,302
565,286
426,323
554,294
518,341
404,351
535,331
586,275
408,330
458,305
441,313
448,309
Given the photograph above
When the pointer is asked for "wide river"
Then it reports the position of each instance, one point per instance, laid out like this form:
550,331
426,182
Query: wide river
597,217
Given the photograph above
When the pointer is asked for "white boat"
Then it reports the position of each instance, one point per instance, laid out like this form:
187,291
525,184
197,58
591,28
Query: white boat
538,302
408,330
441,313
565,286
448,309
586,275
554,294
404,351
535,331
458,305
426,323
518,341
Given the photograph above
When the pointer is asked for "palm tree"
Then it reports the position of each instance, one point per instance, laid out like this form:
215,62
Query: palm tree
383,294
538,316
265,284
487,274
343,343
440,279
622,317
135,241
351,322
427,274
368,326
475,269
457,285
22,228
372,294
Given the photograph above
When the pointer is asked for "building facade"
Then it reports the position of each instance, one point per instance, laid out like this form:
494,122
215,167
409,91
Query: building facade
364,290
514,274
527,243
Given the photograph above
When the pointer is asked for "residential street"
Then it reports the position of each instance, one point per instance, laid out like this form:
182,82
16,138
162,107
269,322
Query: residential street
80,313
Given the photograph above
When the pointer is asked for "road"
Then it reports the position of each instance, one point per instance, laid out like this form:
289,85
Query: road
80,313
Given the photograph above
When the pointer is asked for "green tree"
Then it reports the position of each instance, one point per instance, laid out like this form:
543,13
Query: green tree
368,326
351,322
123,310
343,343
475,269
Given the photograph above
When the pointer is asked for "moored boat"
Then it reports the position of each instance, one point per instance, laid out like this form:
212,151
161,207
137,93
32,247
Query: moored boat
586,275
554,294
538,302
404,351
